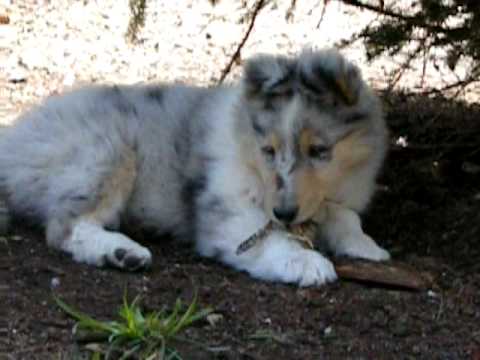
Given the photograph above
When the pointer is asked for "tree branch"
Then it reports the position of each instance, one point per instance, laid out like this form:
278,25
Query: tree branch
236,54
415,20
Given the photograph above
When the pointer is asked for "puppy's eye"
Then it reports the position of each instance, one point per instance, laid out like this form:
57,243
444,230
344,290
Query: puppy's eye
268,151
319,152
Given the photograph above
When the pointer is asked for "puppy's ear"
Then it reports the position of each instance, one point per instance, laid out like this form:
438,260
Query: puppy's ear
268,76
327,73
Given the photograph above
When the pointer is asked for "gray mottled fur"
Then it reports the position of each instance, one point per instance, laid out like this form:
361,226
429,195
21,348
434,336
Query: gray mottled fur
53,160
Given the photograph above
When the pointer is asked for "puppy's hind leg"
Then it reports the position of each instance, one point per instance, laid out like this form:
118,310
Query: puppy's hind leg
77,223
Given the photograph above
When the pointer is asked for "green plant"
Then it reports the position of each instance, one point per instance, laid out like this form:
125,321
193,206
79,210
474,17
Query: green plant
136,334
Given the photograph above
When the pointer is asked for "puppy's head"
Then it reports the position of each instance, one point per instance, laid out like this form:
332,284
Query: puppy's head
314,123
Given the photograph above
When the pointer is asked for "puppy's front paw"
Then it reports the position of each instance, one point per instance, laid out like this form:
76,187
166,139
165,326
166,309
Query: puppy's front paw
130,258
363,247
309,268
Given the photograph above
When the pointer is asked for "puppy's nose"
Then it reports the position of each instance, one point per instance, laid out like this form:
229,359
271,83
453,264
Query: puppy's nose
286,215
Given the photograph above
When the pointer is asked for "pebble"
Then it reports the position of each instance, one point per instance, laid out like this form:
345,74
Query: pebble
214,319
328,331
55,282
4,19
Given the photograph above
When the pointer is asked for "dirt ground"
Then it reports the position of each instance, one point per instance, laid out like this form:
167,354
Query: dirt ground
427,213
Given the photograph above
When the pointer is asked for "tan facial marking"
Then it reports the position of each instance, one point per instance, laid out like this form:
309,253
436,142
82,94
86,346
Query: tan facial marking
351,152
274,141
314,186
306,139
345,91
311,192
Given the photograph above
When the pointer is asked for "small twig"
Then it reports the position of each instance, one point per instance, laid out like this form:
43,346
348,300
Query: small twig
291,10
322,15
426,50
302,233
343,43
472,78
415,20
236,54
399,72
252,240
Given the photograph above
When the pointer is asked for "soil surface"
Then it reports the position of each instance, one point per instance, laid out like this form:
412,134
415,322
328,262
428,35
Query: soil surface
426,212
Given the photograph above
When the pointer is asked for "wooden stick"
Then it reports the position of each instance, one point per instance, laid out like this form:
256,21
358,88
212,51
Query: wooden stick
390,274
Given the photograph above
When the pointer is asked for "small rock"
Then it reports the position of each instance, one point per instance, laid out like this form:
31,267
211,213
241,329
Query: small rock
328,331
4,19
55,282
214,319
416,349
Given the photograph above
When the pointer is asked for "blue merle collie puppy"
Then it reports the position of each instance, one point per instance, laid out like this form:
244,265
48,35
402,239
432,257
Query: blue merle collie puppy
298,139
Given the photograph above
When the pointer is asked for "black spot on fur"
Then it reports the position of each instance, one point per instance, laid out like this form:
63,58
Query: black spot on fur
322,81
283,86
121,102
177,146
258,73
156,94
259,129
79,198
191,190
193,187
355,117
309,84
120,253
215,206
280,182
